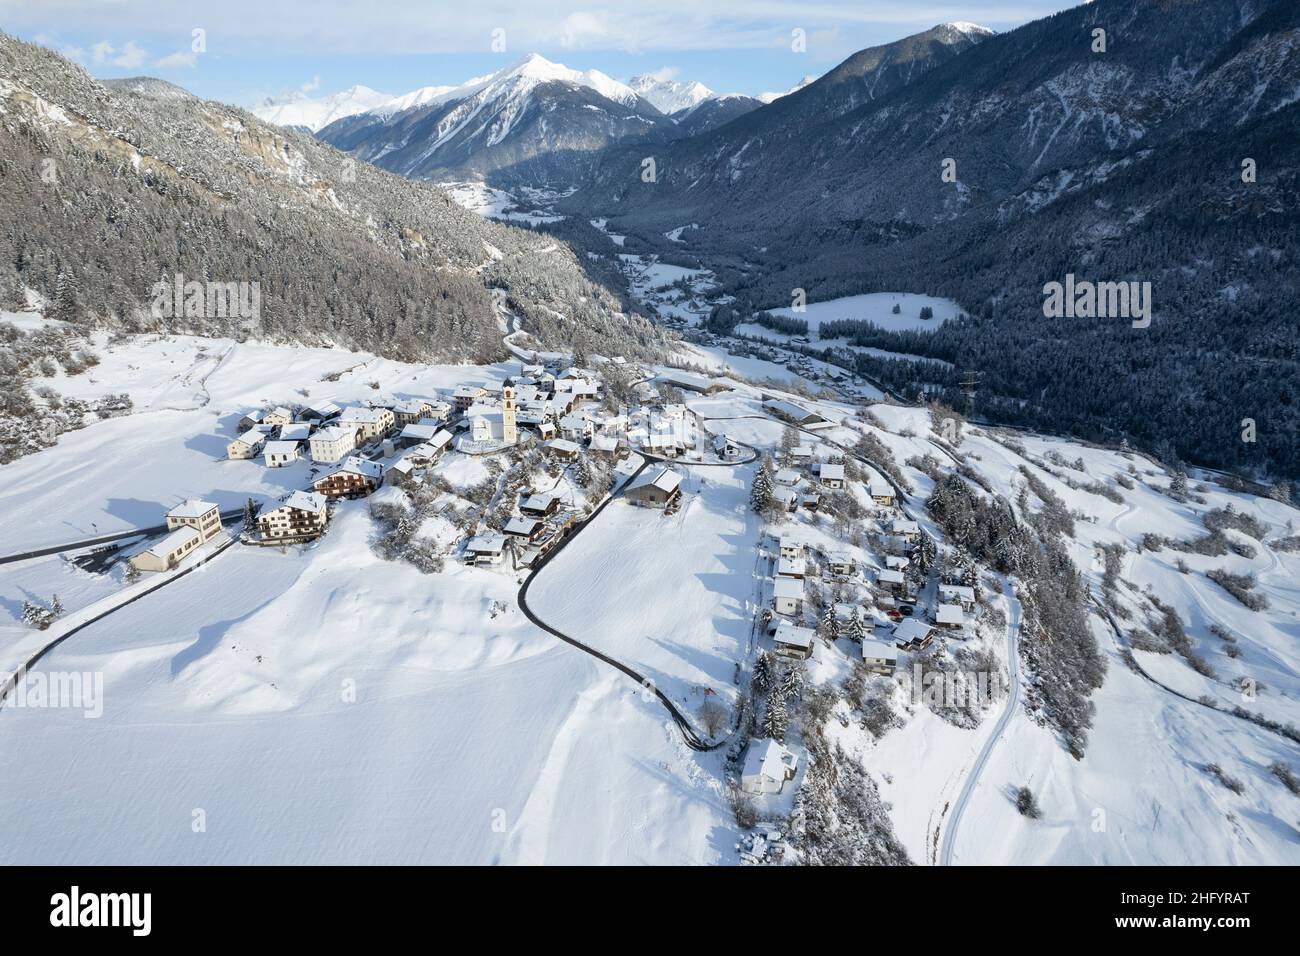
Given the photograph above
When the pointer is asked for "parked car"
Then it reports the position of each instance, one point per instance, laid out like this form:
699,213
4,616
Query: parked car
894,616
907,609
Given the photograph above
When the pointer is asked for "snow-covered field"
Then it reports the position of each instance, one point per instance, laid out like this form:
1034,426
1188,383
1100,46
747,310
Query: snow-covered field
322,705
878,307
672,595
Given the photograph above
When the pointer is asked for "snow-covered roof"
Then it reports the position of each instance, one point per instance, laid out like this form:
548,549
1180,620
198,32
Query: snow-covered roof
794,636
541,501
191,508
802,451
890,576
906,526
878,650
252,438
787,588
333,433
274,448
489,543
665,479
959,592
605,443
787,476
840,557
562,445
419,432
356,465
949,614
324,409
832,472
791,566
295,432
366,415
769,759
788,542
910,629
879,487
304,501
524,526
173,542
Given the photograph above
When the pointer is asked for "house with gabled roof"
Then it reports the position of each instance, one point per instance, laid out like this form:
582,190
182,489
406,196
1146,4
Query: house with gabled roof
768,765
248,445
655,488
355,478
302,514
281,453
793,641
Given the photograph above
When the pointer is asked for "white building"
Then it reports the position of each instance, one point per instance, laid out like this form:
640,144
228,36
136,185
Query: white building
281,453
794,641
949,616
787,596
958,594
248,445
332,444
302,514
768,765
879,657
203,516
369,422
832,475
791,547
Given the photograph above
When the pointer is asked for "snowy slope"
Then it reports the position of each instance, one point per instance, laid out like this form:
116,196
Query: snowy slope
314,113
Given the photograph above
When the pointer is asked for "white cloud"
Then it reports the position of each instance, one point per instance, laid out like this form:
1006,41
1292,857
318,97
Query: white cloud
101,51
132,56
665,73
176,60
312,85
397,27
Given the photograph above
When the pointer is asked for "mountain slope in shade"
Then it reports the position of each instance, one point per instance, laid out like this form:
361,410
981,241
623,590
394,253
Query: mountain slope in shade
534,123
1116,166
343,253
303,112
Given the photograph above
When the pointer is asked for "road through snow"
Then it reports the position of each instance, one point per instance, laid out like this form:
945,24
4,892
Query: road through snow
1013,703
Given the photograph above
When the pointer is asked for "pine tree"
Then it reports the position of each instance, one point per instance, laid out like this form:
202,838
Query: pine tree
776,721
760,496
792,683
56,607
762,678
826,627
856,631
250,514
34,615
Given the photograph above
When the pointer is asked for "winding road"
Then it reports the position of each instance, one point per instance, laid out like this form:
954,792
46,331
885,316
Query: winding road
1013,703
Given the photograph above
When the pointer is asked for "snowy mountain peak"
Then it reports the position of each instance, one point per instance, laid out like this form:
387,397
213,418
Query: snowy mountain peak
534,69
963,26
771,97
670,96
298,109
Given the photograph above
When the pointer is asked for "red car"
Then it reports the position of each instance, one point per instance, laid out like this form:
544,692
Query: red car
895,616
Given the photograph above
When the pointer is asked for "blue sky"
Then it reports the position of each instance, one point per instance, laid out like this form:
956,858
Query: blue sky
254,49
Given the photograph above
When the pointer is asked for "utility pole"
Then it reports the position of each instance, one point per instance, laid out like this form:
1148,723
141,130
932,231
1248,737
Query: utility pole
969,380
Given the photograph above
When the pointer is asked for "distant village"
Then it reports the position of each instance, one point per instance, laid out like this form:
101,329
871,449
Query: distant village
874,587
354,450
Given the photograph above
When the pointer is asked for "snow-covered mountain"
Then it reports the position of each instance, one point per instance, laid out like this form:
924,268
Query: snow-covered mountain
199,188
303,112
690,104
670,96
534,122
766,98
